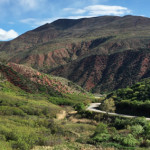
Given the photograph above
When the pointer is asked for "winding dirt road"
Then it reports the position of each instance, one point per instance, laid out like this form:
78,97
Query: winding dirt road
93,107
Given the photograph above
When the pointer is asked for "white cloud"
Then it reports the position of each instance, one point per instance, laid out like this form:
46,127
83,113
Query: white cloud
7,35
95,10
79,11
78,17
106,10
75,11
86,12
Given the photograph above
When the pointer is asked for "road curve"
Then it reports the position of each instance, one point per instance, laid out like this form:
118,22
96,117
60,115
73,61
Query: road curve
93,108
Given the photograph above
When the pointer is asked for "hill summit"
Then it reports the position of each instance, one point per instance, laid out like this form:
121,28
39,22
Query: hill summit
100,53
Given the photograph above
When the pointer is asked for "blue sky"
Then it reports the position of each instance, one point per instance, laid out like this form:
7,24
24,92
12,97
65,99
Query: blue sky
19,16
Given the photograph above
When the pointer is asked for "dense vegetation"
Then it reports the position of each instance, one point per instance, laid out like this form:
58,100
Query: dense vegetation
28,118
117,132
133,100
123,133
106,53
24,117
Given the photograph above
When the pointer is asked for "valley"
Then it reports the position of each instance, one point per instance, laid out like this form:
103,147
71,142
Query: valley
53,77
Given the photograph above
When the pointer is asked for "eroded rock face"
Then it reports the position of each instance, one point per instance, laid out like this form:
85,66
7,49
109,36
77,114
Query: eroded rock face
104,73
74,51
16,74
99,53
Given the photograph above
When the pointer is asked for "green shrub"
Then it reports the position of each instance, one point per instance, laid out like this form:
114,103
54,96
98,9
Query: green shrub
6,110
23,141
137,129
101,133
103,137
5,145
129,140
79,107
147,143
120,123
117,138
108,105
139,120
101,128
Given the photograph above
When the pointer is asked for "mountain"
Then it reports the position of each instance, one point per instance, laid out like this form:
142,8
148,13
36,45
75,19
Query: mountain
99,53
107,72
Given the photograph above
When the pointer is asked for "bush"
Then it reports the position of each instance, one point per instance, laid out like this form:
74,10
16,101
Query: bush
22,141
5,145
129,140
117,138
79,107
139,120
103,137
101,128
137,129
101,133
147,143
6,110
120,123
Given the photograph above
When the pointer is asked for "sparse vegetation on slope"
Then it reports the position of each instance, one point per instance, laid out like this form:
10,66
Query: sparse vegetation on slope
96,53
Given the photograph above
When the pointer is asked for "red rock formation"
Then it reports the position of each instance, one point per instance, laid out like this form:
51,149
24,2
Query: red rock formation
104,73
38,77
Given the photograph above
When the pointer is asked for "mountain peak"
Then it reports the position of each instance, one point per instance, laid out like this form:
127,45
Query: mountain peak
63,24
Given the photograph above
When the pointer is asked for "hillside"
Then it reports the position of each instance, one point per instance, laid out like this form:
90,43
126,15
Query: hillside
33,81
30,102
29,116
28,119
133,100
106,41
102,73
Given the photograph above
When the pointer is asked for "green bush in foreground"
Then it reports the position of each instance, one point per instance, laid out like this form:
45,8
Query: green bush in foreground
129,133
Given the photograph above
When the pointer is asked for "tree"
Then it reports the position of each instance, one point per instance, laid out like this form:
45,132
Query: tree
79,107
101,133
108,105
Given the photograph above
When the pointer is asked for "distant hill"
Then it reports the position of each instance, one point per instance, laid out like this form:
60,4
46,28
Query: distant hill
33,81
100,53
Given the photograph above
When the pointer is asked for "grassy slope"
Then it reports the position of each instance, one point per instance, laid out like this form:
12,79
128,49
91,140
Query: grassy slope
28,119
27,116
23,117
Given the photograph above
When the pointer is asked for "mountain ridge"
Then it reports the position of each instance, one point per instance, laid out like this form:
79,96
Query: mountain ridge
66,41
